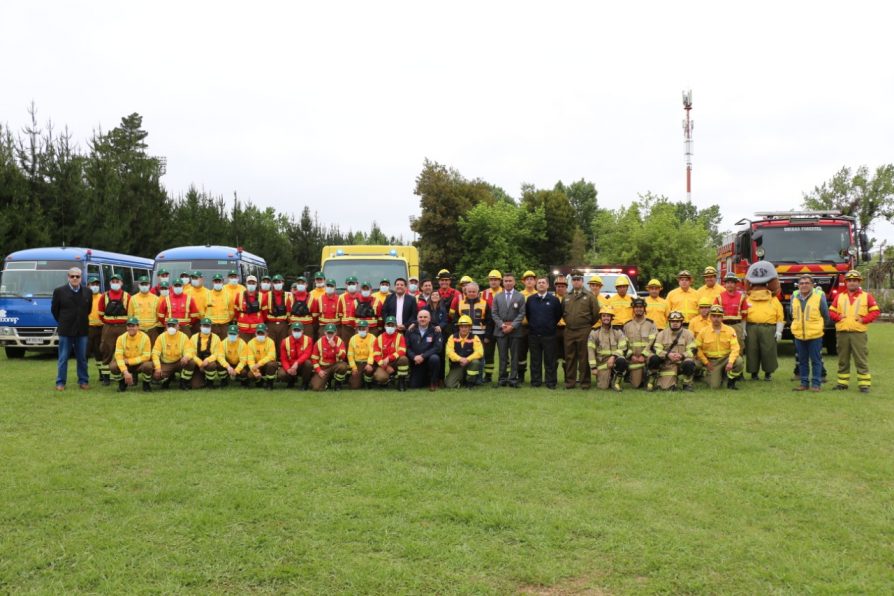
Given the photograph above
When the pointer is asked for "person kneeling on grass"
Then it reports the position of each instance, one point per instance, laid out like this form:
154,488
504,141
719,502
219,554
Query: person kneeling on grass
606,347
232,356
328,358
718,350
170,354
294,357
260,355
133,352
390,354
360,356
206,356
464,350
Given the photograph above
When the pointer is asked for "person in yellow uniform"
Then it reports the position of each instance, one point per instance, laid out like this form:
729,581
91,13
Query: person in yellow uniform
763,327
171,353
219,307
684,298
657,309
319,288
621,302
260,357
233,287
144,306
464,349
201,296
529,281
94,331
384,291
133,355
205,356
232,357
595,285
711,289
718,351
852,312
360,357
703,319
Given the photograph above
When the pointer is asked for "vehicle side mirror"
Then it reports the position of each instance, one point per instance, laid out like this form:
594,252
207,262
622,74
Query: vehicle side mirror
866,256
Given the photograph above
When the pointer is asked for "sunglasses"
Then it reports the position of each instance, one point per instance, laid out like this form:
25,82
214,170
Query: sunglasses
74,277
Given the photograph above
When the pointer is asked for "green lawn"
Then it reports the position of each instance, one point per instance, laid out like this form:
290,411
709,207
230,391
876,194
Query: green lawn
495,491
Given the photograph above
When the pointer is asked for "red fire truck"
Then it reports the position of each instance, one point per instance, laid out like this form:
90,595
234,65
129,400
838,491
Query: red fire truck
824,244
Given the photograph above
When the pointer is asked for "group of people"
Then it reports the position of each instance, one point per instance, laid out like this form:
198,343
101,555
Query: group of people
414,335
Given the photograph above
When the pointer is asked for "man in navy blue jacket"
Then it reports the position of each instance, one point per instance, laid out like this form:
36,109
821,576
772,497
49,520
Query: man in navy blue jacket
424,351
543,311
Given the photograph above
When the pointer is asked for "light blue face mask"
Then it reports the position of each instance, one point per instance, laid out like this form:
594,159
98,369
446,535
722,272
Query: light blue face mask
232,337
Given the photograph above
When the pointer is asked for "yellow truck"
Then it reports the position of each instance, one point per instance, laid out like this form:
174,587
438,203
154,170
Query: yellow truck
371,263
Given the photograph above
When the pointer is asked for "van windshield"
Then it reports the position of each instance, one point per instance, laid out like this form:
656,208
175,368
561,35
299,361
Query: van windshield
370,270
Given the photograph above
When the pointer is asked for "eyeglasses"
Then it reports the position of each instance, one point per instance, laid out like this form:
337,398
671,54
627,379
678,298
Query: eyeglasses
74,277
805,283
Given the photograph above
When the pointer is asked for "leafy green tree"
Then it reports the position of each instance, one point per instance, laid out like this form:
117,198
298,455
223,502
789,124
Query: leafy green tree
857,193
555,247
502,236
22,222
582,196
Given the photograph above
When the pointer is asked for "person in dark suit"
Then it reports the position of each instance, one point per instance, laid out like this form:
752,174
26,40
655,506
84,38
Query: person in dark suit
401,305
71,307
507,312
424,346
543,311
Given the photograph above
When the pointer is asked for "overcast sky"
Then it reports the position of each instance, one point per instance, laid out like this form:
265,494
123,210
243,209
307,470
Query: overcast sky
335,105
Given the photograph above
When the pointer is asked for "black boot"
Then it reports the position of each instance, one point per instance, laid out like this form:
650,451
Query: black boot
401,384
269,385
290,384
210,385
336,385
185,385
122,386
166,383
470,384
147,387
731,384
105,379
225,382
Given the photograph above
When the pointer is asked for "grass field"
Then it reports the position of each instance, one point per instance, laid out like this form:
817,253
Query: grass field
492,491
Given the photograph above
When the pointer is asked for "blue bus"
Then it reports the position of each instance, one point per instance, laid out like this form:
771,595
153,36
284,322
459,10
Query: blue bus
27,283
209,260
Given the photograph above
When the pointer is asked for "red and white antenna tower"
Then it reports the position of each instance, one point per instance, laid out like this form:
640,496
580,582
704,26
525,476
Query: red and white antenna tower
688,125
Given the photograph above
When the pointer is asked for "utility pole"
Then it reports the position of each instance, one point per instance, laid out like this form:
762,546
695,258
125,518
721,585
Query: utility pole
688,125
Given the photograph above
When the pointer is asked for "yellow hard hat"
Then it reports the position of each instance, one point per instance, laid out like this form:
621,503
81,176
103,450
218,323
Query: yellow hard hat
606,310
464,320
654,283
595,280
528,273
622,280
717,310
465,279
494,274
710,271
853,274
704,303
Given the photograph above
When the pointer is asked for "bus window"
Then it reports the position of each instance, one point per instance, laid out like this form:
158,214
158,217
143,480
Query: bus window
93,271
106,277
126,277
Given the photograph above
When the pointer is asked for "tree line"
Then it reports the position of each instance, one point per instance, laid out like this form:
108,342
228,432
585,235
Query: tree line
110,196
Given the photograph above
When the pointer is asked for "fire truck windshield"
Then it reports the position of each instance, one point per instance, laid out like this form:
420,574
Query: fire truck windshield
805,244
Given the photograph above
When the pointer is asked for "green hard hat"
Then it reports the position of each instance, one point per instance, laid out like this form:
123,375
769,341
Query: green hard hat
298,326
365,284
261,328
300,278
319,275
205,321
232,272
330,328
92,280
390,319
217,276
178,281
363,323
143,279
163,272
115,276
133,321
352,279
330,282
278,277
233,329
172,322
265,276
196,274
165,285
185,274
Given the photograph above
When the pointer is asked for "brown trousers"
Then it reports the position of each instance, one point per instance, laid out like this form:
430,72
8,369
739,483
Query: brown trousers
336,371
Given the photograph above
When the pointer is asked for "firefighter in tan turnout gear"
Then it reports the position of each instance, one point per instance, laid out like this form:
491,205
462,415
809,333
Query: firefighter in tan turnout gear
673,356
640,333
606,348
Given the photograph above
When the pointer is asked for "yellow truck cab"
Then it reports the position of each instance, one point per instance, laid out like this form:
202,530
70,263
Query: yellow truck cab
371,263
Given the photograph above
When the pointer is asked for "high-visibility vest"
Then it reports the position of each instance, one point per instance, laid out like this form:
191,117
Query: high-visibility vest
807,321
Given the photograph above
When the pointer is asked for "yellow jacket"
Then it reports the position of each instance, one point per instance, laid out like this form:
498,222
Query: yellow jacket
477,348
233,291
259,354
211,343
360,349
698,323
717,344
848,315
623,307
145,308
658,310
710,293
807,322
170,348
685,302
131,351
232,354
201,296
95,321
764,307
219,307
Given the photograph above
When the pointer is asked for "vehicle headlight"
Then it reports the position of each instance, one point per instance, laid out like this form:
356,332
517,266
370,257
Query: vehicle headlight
7,331
760,252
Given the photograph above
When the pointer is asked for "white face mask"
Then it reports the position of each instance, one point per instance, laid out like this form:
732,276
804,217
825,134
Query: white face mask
251,287
384,289
277,287
94,289
206,330
352,288
144,289
115,287
233,281
261,337
365,293
330,290
265,286
164,293
185,281
195,283
178,290
297,334
163,278
232,338
172,331
413,287
319,284
302,287
218,286
363,333
390,330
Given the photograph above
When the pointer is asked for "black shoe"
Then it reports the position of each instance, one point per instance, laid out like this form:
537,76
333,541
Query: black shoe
290,384
731,384
840,388
689,389
551,387
105,380
269,385
754,377
122,386
767,377
336,386
401,384
502,383
166,384
225,382
533,384
185,385
513,384
244,383
147,387
210,385
470,385
367,385
864,389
